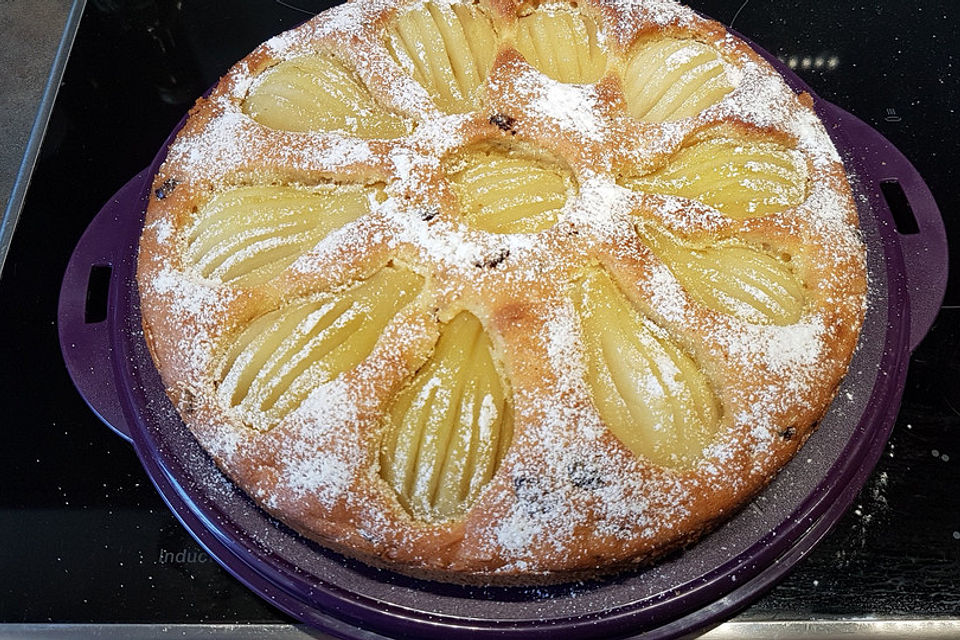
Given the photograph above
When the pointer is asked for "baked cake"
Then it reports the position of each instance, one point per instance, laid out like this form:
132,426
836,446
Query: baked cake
502,292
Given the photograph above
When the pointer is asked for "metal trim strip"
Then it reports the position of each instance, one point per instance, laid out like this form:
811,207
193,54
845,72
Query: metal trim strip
824,629
11,214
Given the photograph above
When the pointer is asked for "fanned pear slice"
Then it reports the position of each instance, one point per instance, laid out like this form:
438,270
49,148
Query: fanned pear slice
449,428
562,43
282,356
742,178
506,189
650,393
447,48
247,235
319,93
732,278
669,79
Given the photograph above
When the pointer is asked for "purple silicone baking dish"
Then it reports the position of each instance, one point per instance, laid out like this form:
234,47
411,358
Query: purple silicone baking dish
111,367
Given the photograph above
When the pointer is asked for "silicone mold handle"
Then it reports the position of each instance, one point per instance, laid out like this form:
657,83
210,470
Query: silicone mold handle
86,346
925,253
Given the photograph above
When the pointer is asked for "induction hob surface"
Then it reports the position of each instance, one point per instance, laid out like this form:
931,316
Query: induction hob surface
84,538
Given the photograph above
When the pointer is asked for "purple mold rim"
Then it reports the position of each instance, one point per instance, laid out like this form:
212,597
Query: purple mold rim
690,606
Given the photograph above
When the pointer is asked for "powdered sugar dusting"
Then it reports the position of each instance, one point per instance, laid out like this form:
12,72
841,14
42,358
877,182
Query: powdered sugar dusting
601,205
682,56
571,106
825,209
196,303
668,297
164,229
781,350
223,442
684,215
570,480
189,297
661,13
320,461
487,416
223,146
564,348
763,99
574,465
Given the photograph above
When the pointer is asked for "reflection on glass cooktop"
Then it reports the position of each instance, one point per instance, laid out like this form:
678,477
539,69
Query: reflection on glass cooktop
84,536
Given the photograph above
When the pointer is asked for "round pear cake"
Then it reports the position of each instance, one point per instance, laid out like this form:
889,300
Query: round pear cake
502,292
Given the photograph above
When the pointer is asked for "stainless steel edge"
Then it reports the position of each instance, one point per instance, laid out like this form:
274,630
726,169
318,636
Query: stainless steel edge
882,628
935,629
14,205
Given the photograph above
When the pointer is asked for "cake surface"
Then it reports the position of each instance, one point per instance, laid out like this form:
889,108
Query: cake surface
502,292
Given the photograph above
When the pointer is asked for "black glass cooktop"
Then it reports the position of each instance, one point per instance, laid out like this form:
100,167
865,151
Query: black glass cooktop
85,538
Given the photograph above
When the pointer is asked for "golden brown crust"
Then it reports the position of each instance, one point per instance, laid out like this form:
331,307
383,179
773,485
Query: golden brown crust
531,523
